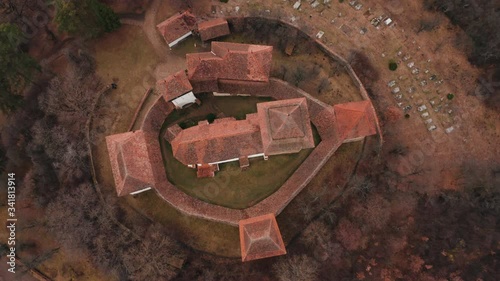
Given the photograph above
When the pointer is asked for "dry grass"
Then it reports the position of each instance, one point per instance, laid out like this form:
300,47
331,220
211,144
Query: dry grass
200,234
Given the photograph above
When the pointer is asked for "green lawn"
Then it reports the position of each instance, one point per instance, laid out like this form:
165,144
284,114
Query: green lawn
231,187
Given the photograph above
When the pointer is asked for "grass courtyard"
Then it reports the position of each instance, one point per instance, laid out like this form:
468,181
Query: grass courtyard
231,187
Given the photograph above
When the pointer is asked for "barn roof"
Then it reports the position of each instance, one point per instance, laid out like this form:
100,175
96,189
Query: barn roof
176,26
131,161
260,238
355,119
285,126
213,28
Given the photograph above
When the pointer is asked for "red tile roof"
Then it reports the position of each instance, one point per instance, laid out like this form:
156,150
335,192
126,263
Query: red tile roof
260,238
172,132
355,120
232,61
209,143
176,26
174,86
206,171
130,161
285,126
213,29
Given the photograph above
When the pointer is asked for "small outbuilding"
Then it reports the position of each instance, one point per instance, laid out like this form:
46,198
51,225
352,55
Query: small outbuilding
177,28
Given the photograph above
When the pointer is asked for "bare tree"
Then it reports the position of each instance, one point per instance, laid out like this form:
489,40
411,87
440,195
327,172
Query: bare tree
71,97
296,268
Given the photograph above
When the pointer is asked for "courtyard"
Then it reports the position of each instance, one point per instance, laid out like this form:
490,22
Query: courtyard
231,187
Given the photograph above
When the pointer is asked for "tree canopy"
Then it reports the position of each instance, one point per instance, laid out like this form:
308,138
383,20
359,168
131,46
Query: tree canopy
16,67
89,18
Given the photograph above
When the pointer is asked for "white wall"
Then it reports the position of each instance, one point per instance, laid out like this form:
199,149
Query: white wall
183,100
179,39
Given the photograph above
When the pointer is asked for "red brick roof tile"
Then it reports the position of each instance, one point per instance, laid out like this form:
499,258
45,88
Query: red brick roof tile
174,86
285,126
130,162
213,29
206,171
209,143
260,238
176,26
232,61
172,132
355,120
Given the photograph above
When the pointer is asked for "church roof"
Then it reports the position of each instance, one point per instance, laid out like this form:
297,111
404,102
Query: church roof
285,126
260,238
221,140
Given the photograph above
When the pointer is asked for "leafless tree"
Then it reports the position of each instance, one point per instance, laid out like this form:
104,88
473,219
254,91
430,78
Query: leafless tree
296,268
71,97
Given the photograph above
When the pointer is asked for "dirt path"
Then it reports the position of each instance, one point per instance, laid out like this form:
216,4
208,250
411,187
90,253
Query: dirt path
138,23
149,27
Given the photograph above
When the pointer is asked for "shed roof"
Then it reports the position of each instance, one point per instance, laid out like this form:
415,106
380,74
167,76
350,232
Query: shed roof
260,238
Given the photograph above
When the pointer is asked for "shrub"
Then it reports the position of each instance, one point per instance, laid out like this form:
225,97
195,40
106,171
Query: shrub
211,117
450,96
224,1
393,65
407,116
